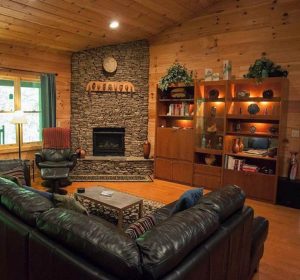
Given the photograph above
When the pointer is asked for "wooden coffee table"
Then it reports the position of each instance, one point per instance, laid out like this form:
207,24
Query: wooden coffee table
118,201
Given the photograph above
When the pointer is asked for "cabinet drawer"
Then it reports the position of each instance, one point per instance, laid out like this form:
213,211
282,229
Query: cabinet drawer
205,169
207,181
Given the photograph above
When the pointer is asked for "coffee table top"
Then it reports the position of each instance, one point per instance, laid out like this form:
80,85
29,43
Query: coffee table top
118,200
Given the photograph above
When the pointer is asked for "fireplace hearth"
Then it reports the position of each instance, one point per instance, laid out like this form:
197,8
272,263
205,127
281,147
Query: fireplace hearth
108,141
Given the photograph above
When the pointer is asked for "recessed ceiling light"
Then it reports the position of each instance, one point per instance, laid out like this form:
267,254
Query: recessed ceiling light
114,24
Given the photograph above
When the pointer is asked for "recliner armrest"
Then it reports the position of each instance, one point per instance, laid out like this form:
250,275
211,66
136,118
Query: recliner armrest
73,158
39,157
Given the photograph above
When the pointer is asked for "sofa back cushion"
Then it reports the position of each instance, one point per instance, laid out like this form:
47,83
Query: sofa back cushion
168,243
25,204
95,239
224,202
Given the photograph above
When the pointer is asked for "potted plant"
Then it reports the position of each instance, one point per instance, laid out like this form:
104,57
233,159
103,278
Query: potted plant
177,73
263,68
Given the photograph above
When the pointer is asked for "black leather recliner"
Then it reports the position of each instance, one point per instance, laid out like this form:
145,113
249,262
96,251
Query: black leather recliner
56,158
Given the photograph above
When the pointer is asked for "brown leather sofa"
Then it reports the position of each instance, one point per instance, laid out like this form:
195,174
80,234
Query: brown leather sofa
216,239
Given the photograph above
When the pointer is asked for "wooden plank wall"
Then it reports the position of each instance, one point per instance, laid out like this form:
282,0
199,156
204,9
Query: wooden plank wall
238,30
32,59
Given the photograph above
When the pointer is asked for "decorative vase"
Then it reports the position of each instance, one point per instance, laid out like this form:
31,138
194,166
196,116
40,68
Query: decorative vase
146,149
293,166
241,145
235,145
80,152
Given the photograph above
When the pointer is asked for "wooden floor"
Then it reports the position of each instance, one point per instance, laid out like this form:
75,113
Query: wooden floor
281,260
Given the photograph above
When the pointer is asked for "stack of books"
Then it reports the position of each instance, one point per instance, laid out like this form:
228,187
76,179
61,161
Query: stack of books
179,109
250,168
233,163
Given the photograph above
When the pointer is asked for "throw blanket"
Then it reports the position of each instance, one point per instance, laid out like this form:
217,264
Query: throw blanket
56,138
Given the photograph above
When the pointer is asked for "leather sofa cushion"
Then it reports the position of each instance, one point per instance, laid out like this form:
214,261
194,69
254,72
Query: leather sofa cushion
56,154
168,243
25,204
224,201
95,239
163,213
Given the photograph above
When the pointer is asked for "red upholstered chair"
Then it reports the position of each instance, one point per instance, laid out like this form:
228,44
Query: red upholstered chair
56,158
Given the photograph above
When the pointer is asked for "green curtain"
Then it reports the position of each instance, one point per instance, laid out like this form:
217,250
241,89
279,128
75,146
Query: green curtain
48,98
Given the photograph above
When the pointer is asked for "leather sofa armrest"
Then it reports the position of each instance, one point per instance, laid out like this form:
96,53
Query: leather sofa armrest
39,157
260,229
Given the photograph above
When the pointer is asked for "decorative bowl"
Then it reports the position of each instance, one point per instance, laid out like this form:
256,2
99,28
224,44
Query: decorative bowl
243,94
213,94
268,94
253,109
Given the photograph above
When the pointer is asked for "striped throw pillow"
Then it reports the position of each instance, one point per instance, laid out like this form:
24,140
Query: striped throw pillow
17,172
140,226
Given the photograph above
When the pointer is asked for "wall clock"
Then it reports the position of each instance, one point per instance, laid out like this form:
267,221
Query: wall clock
109,64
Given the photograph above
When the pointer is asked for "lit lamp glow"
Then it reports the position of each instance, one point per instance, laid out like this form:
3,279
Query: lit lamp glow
19,119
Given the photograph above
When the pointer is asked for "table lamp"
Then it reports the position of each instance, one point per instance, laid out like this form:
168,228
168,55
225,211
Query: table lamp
19,119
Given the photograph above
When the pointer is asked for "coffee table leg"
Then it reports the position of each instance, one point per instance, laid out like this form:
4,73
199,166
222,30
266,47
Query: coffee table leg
141,209
120,219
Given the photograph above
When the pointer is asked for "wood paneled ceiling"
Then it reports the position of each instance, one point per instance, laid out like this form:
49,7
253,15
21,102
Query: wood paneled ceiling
73,25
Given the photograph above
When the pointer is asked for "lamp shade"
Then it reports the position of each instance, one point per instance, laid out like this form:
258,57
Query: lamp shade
19,118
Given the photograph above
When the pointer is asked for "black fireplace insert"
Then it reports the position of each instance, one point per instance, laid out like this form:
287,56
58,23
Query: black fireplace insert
108,141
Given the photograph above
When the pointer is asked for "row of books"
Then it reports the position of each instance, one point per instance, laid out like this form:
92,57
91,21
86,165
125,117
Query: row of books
233,163
179,109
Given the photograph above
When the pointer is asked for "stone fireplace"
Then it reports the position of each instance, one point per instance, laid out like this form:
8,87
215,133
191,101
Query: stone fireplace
108,141
99,120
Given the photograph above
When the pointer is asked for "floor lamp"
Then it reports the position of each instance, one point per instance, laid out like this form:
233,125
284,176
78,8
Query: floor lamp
19,119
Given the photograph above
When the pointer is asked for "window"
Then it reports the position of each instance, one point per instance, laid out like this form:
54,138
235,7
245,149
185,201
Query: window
20,93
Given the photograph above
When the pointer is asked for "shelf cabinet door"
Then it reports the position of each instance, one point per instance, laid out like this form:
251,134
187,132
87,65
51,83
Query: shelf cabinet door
166,143
175,143
163,169
182,172
185,144
255,185
209,181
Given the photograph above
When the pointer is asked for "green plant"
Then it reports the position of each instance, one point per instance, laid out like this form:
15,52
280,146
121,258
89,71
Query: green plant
263,68
175,74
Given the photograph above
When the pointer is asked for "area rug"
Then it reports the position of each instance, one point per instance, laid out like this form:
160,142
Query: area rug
111,178
130,215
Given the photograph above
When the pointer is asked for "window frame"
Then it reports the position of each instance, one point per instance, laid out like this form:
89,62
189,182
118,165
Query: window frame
17,78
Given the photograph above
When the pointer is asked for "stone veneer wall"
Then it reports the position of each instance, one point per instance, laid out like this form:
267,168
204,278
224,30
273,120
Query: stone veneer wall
111,109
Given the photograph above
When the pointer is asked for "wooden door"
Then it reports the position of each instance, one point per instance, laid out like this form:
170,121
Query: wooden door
261,186
166,142
182,172
184,142
163,169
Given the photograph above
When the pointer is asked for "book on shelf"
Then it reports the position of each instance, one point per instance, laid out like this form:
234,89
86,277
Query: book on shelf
256,152
250,168
179,109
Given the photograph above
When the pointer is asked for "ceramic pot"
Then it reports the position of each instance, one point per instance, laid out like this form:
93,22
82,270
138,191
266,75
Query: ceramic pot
235,145
253,109
268,93
213,94
80,152
210,159
146,149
